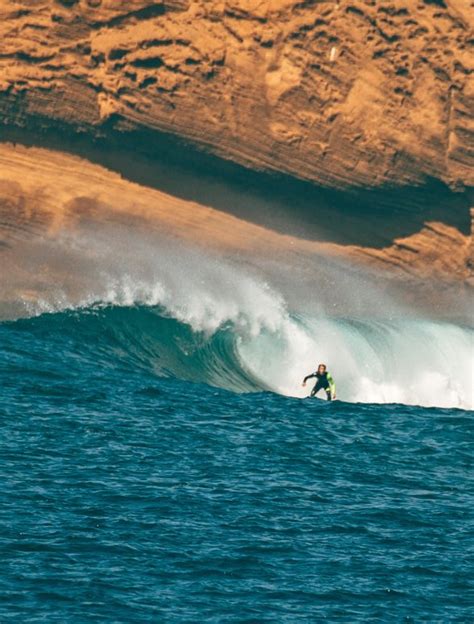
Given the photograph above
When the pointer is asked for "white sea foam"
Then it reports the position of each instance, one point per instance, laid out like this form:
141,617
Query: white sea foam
414,362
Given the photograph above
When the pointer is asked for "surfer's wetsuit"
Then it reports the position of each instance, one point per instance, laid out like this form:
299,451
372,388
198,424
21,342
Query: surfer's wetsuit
324,380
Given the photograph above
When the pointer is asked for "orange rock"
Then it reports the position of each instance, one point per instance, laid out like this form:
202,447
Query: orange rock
231,72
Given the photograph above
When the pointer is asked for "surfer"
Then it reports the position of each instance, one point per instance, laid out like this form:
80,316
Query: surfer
324,380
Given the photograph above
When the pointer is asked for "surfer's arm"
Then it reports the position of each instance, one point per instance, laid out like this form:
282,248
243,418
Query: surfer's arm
308,377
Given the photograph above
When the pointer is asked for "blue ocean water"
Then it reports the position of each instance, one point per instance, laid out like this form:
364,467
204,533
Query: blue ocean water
133,489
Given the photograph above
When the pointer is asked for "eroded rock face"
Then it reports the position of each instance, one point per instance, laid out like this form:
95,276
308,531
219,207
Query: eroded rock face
343,93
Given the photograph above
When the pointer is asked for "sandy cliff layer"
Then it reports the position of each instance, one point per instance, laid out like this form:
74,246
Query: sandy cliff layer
346,93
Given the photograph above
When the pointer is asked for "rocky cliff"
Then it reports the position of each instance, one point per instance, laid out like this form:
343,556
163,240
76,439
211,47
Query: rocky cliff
342,93
370,99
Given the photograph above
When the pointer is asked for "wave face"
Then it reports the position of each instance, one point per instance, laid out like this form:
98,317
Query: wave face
203,318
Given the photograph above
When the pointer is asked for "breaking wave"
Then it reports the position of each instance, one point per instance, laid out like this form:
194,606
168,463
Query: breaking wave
205,319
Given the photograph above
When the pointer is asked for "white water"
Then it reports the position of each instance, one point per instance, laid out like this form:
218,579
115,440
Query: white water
398,361
391,358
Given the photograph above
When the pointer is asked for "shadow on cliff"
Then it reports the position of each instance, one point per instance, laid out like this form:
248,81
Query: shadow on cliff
372,218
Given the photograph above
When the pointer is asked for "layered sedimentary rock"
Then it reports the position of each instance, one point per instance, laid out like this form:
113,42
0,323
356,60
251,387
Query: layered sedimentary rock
352,96
342,93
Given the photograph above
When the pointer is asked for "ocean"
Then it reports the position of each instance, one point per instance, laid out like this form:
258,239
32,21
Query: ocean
200,203
160,464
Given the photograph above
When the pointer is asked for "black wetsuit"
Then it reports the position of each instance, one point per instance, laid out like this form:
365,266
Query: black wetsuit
324,380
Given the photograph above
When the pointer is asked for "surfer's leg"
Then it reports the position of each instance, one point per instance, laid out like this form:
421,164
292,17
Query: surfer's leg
316,388
328,394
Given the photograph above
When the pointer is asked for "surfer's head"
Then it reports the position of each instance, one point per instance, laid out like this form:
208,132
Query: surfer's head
322,368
